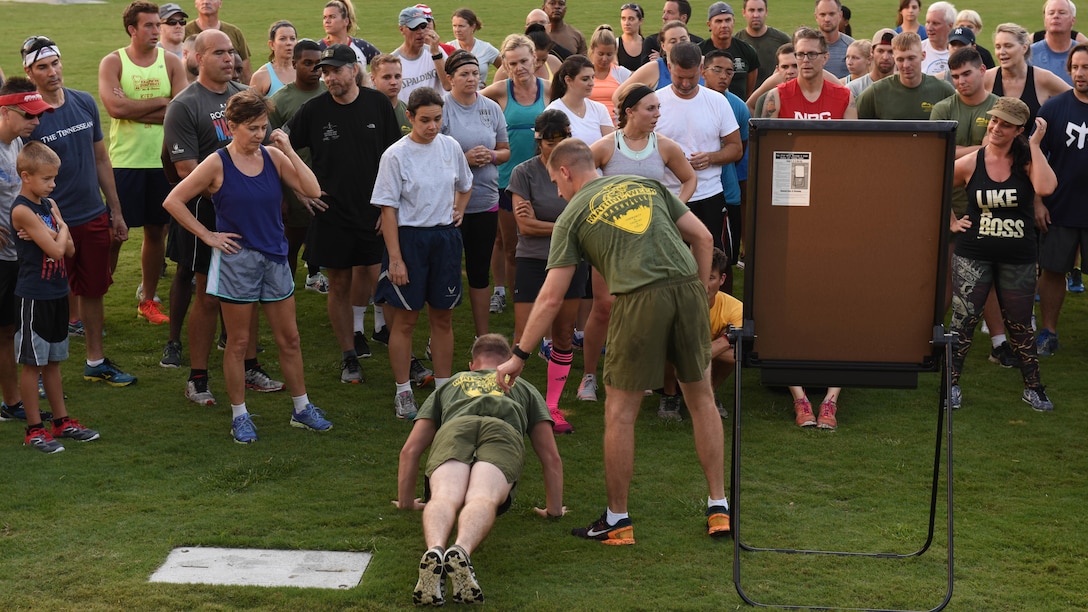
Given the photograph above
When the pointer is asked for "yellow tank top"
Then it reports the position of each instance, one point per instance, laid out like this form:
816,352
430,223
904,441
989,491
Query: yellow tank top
134,144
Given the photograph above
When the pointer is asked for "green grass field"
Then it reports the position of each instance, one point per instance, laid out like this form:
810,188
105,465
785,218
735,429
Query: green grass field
85,529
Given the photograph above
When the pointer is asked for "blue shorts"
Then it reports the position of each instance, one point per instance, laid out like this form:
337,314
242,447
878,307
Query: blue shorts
248,276
142,191
433,258
41,334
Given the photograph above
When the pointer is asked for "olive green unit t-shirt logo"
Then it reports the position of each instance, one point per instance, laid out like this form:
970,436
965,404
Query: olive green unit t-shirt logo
627,206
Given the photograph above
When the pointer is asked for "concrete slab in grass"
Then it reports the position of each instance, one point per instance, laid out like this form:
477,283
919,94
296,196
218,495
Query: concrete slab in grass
316,569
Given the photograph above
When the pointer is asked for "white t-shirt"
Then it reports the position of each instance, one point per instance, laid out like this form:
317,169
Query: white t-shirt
419,180
419,72
697,125
485,53
588,128
935,62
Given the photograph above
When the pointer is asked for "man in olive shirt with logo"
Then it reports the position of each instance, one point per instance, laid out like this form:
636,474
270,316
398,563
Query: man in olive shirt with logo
636,233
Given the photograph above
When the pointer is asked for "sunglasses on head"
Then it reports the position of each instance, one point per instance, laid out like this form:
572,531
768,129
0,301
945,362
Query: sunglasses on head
23,113
634,7
35,44
174,22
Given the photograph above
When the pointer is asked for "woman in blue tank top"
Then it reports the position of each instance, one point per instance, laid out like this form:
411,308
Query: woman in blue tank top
280,68
249,256
522,97
996,243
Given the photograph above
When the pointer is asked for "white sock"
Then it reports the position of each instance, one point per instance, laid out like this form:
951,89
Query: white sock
499,289
723,502
379,317
238,410
998,340
614,517
301,401
357,313
405,386
438,382
94,363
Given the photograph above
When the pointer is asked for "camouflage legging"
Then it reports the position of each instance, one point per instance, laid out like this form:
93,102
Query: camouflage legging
1015,285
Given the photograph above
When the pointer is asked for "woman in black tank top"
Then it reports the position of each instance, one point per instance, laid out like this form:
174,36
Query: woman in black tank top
996,243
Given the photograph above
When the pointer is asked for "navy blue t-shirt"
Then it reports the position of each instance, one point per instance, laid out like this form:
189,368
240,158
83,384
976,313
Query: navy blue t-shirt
1066,147
40,277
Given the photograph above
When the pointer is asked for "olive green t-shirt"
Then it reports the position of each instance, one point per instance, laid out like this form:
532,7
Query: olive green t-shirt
973,121
889,99
478,394
625,226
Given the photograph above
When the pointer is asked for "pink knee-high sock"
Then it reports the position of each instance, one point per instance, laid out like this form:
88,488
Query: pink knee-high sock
558,369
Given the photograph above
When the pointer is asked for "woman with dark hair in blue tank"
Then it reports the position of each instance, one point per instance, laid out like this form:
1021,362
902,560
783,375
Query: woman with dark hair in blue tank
996,247
249,256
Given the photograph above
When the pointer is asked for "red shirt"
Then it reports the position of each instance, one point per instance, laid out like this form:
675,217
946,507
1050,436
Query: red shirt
831,104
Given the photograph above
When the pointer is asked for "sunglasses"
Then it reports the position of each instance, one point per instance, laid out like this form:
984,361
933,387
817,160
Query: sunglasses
634,7
418,27
35,44
174,22
23,113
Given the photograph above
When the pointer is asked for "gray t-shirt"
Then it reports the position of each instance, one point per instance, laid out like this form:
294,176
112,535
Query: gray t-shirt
10,184
481,123
419,180
530,180
836,56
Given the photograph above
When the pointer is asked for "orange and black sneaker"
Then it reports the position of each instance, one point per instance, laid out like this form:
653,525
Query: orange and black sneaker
717,521
620,534
152,311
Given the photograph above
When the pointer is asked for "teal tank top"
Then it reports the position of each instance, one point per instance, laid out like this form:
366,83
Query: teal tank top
520,121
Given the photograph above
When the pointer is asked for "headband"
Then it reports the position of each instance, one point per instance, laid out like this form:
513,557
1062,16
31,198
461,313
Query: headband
633,98
458,59
41,53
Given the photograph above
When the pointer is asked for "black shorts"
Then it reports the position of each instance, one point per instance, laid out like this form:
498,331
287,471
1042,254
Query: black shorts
142,192
530,278
184,247
337,247
1058,249
9,273
506,200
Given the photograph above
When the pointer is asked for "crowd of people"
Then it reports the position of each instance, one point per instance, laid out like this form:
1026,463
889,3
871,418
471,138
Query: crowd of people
600,182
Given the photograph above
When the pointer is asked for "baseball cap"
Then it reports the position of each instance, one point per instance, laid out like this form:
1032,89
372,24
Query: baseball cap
1012,110
412,17
718,8
170,9
30,102
883,36
337,55
964,36
426,11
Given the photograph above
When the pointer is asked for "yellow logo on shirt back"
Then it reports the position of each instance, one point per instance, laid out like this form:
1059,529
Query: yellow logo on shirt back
627,206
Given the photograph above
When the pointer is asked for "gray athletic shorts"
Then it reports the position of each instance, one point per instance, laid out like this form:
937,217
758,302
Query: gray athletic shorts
249,276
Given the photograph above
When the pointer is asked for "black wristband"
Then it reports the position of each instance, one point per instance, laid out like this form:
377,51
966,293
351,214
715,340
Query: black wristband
520,354
437,56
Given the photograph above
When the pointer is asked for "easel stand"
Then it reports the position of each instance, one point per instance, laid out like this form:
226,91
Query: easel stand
823,225
941,340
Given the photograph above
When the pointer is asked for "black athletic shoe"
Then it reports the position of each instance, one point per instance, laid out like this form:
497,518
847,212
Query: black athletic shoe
620,534
362,349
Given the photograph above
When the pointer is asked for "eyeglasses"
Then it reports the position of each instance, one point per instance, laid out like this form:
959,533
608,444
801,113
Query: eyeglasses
810,56
174,22
35,44
720,70
23,113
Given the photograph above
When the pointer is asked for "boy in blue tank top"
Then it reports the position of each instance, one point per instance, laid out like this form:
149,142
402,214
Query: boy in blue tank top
41,295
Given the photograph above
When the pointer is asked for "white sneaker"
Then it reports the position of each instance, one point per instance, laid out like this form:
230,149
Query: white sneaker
317,282
498,303
587,389
404,403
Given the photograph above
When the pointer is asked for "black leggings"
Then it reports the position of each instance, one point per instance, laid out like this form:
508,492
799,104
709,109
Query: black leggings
1015,286
711,211
478,234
